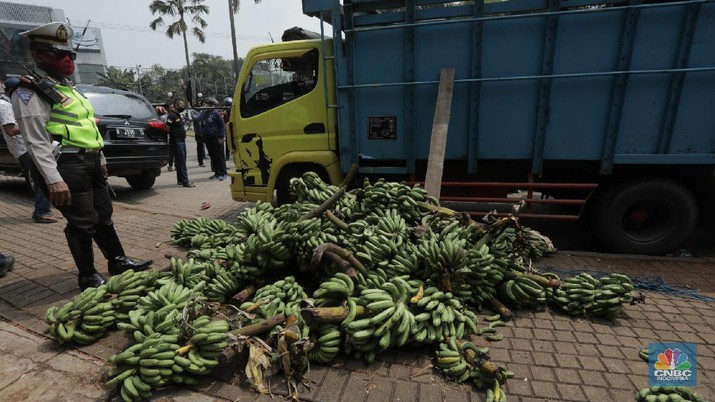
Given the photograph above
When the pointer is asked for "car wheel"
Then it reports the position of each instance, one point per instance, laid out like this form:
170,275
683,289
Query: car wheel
644,216
141,181
283,193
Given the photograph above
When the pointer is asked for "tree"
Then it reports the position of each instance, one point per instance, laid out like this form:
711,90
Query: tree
214,75
180,9
157,82
117,78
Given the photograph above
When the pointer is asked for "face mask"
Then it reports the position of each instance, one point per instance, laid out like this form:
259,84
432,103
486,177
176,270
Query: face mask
63,67
180,109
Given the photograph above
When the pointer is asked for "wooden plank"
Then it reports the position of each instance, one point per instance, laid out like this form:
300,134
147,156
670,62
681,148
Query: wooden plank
440,125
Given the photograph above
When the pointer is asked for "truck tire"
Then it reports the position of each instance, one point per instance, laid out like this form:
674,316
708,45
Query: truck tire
645,216
283,194
141,181
29,180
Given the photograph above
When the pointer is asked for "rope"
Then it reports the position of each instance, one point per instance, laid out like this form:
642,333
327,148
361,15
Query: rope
652,284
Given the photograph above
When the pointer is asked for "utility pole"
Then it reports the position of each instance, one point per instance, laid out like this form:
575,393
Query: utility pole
139,78
231,13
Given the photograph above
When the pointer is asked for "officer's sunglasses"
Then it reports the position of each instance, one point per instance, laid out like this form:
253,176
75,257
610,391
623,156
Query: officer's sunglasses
59,53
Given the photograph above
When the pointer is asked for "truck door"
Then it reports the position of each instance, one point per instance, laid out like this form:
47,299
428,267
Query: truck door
282,110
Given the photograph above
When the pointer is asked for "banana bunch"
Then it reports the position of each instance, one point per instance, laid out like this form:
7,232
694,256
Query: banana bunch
128,287
657,393
144,366
450,361
274,298
334,291
440,255
83,320
475,282
304,236
250,220
221,284
209,339
170,296
266,248
203,233
142,324
438,315
539,244
521,292
383,195
390,322
326,345
585,295
312,190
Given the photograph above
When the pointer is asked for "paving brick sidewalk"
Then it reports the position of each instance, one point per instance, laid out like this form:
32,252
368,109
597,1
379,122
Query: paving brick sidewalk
554,357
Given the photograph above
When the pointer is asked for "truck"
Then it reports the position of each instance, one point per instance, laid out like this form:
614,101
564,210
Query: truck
599,110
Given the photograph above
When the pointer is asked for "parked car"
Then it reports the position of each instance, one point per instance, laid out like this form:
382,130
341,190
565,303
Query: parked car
135,140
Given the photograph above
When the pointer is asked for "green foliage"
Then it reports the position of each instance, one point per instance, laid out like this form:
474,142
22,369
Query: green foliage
118,78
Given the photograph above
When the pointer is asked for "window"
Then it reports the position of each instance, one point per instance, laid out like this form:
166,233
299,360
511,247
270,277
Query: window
119,104
273,82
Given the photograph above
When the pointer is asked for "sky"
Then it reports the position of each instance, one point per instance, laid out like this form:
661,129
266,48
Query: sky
128,40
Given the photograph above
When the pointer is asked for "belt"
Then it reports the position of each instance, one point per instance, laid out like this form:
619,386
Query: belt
78,150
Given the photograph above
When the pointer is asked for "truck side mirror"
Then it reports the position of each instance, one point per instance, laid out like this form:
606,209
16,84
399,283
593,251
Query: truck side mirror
191,92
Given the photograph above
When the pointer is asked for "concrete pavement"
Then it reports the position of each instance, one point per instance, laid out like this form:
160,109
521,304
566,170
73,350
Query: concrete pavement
555,357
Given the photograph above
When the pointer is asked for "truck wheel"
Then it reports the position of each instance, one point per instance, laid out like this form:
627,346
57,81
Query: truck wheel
645,216
141,181
283,194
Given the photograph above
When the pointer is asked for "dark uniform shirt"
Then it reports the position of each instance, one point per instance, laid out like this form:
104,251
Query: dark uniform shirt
176,127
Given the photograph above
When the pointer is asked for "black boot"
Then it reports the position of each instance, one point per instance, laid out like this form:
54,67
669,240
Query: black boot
108,241
123,263
81,249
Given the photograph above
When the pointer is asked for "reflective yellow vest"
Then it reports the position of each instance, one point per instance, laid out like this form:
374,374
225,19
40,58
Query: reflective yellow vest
74,123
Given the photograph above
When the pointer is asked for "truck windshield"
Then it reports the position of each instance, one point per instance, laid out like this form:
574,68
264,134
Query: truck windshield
273,82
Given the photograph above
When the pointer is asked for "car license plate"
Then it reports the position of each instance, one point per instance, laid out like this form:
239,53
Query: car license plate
130,132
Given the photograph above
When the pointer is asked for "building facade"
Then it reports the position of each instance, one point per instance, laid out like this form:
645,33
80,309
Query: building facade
16,18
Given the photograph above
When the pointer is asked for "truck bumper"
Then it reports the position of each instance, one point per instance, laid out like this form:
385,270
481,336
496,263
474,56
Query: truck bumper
240,192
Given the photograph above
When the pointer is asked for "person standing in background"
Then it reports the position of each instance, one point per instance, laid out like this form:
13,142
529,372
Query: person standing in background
228,102
177,139
161,111
214,131
16,146
198,136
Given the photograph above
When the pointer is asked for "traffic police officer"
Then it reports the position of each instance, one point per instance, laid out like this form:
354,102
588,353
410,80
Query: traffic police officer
76,181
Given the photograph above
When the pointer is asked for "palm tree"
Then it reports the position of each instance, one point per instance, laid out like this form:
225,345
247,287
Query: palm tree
180,9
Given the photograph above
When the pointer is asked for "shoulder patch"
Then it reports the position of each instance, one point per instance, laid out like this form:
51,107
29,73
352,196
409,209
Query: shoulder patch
25,95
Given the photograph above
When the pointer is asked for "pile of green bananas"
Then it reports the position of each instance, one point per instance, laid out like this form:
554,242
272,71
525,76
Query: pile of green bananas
668,394
585,295
439,314
522,291
220,283
83,320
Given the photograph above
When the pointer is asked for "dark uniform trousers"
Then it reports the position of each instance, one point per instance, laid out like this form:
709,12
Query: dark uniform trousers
89,216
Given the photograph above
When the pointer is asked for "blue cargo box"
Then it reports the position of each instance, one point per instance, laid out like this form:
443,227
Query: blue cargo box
612,82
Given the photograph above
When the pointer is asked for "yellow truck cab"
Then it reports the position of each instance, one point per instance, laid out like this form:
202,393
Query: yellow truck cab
282,124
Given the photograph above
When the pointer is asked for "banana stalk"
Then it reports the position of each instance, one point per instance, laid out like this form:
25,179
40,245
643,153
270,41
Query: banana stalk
328,315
